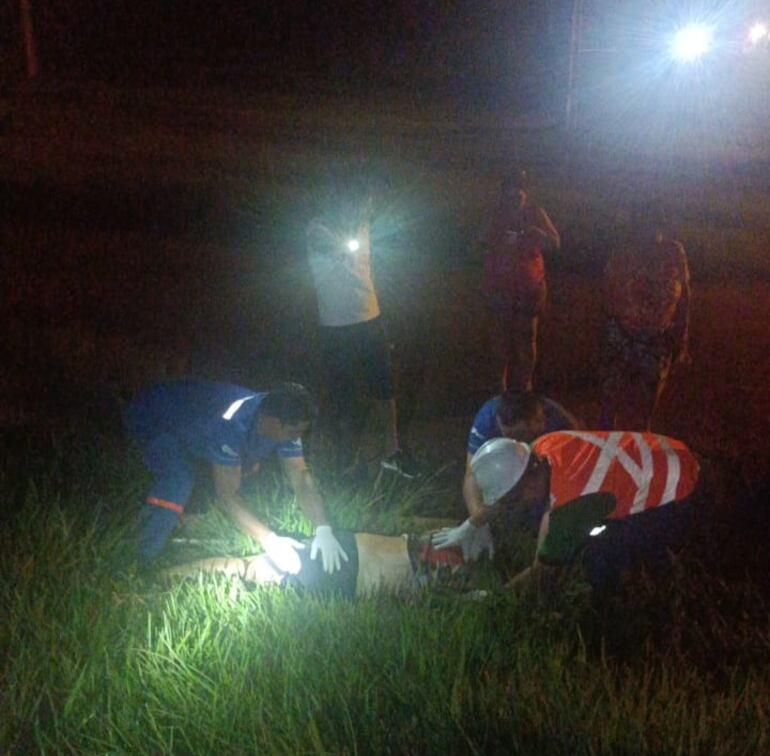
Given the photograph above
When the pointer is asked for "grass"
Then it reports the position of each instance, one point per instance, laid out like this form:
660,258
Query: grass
100,659
180,252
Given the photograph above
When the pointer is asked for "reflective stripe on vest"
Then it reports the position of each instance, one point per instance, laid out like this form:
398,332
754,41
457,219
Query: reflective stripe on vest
642,470
154,501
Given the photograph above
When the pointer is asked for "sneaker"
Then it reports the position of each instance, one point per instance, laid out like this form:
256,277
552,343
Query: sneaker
401,462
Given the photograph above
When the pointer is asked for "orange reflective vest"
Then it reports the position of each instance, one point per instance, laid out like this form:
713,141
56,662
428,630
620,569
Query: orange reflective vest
642,470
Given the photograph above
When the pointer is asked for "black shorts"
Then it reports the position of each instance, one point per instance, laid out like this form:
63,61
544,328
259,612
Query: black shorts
357,358
311,577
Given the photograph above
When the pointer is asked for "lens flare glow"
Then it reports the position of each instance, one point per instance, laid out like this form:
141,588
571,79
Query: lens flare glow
758,32
353,245
692,42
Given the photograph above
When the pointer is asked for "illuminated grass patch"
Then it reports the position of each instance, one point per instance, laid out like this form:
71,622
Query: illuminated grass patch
98,658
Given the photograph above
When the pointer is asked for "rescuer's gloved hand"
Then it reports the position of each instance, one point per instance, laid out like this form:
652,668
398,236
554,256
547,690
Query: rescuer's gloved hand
330,549
463,536
282,551
480,540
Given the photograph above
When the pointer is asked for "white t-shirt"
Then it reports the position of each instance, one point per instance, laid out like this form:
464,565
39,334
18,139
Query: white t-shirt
342,277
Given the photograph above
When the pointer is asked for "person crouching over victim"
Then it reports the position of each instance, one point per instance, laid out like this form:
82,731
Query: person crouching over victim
618,497
231,428
522,416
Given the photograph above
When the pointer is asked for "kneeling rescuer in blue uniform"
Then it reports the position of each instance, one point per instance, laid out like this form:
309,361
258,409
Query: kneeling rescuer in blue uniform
232,428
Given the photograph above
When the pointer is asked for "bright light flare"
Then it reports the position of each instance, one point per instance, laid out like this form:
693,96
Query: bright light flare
692,42
598,530
758,33
353,245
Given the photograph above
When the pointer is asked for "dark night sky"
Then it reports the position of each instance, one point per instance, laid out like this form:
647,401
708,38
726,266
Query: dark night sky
464,45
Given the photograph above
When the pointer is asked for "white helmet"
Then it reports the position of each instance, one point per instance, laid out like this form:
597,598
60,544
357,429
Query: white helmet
498,466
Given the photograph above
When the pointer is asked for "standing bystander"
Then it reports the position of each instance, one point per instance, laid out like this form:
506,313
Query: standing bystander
514,277
356,353
647,306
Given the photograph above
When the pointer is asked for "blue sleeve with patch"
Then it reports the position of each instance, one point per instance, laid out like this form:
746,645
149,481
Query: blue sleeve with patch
291,448
484,425
224,446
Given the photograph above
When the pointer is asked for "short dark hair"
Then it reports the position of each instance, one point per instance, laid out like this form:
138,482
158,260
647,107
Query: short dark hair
516,406
290,403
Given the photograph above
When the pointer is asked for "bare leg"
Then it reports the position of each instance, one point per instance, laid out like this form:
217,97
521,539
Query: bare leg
386,412
381,440
611,392
522,351
659,389
383,564
255,569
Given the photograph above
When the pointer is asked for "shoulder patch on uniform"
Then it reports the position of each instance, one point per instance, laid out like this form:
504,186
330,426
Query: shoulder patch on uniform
227,450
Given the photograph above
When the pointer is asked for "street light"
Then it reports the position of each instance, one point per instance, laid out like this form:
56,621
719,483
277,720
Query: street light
692,42
758,33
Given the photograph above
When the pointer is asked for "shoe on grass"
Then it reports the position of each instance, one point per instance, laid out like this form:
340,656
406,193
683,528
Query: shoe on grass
401,462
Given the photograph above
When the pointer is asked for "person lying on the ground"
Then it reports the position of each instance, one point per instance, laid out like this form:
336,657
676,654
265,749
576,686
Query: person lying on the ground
618,498
394,564
233,429
519,415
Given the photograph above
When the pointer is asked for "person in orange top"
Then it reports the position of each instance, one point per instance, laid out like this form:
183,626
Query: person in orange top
620,498
647,307
514,277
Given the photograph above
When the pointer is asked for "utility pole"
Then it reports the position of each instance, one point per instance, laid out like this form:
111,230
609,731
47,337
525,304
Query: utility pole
570,110
28,34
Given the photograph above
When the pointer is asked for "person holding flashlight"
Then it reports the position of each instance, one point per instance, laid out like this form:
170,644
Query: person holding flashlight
356,353
179,423
514,277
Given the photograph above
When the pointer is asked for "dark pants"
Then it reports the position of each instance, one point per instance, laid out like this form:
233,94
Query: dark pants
311,577
641,541
357,361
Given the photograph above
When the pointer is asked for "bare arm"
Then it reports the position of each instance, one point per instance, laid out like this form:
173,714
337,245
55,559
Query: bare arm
302,483
681,327
519,581
547,231
227,484
474,502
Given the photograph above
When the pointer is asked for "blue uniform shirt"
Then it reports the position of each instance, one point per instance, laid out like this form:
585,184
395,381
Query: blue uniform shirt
485,424
211,421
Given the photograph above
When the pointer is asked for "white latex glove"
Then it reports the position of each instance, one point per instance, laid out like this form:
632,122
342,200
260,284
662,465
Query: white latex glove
479,541
330,548
463,536
282,550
